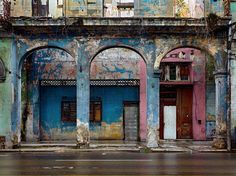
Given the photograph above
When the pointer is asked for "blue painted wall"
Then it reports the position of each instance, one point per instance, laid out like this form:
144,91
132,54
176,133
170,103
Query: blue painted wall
50,117
112,100
210,110
52,128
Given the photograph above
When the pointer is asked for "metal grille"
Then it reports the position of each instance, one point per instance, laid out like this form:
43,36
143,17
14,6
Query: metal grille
113,82
106,82
58,82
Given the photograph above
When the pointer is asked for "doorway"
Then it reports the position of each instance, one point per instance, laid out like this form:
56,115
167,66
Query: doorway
176,113
131,119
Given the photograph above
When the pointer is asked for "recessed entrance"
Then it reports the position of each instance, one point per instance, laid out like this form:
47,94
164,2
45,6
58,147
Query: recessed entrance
118,82
176,113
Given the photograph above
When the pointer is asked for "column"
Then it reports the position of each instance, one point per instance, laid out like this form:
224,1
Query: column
220,138
153,84
82,98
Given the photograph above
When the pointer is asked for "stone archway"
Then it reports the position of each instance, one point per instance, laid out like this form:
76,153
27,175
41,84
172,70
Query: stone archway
122,70
33,109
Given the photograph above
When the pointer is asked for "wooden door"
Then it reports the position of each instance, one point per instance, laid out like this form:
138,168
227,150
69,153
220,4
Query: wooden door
184,113
131,119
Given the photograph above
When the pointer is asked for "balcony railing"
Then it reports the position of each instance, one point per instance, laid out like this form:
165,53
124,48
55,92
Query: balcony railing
4,10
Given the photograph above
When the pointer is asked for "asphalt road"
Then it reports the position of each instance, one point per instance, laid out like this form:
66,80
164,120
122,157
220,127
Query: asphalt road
117,163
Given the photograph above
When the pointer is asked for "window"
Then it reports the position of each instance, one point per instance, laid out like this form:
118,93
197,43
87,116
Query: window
184,72
68,111
40,8
2,71
118,8
172,72
175,71
95,111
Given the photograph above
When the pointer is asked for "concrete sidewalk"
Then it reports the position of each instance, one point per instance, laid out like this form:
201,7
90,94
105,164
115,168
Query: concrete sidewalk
164,146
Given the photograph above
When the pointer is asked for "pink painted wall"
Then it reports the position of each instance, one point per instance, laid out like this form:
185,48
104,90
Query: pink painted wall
197,74
143,101
199,96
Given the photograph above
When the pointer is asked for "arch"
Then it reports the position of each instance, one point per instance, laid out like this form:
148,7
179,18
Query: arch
17,117
197,89
169,49
28,53
2,71
142,92
103,48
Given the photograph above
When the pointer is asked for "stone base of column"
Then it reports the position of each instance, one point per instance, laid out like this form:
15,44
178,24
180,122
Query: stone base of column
83,137
219,143
152,138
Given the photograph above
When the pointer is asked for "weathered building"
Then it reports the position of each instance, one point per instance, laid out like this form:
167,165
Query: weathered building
121,70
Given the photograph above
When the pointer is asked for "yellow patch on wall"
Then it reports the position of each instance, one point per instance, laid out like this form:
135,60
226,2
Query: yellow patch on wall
108,131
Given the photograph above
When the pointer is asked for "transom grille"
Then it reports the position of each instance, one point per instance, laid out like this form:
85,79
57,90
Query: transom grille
93,82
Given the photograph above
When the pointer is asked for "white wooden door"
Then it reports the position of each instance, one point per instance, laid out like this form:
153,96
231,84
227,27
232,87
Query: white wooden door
169,122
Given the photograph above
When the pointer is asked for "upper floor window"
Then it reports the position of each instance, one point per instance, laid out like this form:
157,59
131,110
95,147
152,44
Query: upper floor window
40,8
175,71
118,8
2,71
176,67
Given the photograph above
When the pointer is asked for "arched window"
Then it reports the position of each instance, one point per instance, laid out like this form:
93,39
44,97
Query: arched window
2,71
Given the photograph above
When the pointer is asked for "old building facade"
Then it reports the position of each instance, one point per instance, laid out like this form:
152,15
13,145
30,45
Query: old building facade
120,70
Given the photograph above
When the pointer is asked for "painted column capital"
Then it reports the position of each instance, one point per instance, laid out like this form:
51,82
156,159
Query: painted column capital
219,73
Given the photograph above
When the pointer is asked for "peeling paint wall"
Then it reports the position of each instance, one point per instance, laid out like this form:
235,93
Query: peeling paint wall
49,64
189,8
114,63
154,8
21,8
210,99
6,91
53,63
233,10
85,48
51,125
112,99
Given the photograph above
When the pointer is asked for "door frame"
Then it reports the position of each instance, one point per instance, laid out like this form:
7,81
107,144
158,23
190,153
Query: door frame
138,118
173,102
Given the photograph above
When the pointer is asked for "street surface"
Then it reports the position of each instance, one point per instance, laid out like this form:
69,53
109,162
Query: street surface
117,163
